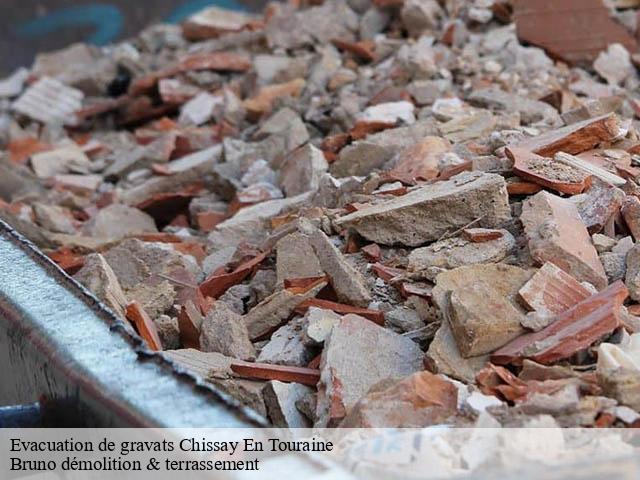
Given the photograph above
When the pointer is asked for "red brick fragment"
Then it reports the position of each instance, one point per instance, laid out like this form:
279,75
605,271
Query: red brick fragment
189,321
144,325
374,315
372,252
547,172
300,285
363,128
421,290
575,138
385,272
552,290
572,331
207,221
282,373
218,283
67,260
480,235
365,49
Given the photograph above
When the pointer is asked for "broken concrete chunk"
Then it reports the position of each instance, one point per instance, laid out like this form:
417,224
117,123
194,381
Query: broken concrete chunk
631,213
215,368
572,331
302,170
118,221
364,156
419,16
281,398
296,258
428,212
614,265
480,302
632,277
200,109
357,355
602,243
531,111
349,284
444,357
98,277
551,291
275,310
287,346
389,113
614,64
223,331
598,205
556,234
420,400
54,218
457,252
60,160
319,323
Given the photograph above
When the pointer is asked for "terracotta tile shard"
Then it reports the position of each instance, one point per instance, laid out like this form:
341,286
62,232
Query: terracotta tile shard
189,324
373,315
67,259
282,373
218,283
552,291
572,331
547,172
516,186
480,235
207,221
50,101
304,284
365,49
574,31
357,355
145,326
576,138
421,216
387,273
557,234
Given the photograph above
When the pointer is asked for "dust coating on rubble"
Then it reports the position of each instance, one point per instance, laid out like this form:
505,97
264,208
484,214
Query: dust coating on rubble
397,213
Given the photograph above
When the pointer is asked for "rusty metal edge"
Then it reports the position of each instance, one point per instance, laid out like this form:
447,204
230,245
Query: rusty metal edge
181,399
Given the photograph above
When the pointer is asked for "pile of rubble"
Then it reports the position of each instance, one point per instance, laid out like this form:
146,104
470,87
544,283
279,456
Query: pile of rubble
355,213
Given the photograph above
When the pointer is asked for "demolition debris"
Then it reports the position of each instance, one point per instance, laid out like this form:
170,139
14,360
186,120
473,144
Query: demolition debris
355,213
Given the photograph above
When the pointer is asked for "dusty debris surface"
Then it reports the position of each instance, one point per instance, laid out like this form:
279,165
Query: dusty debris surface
361,213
